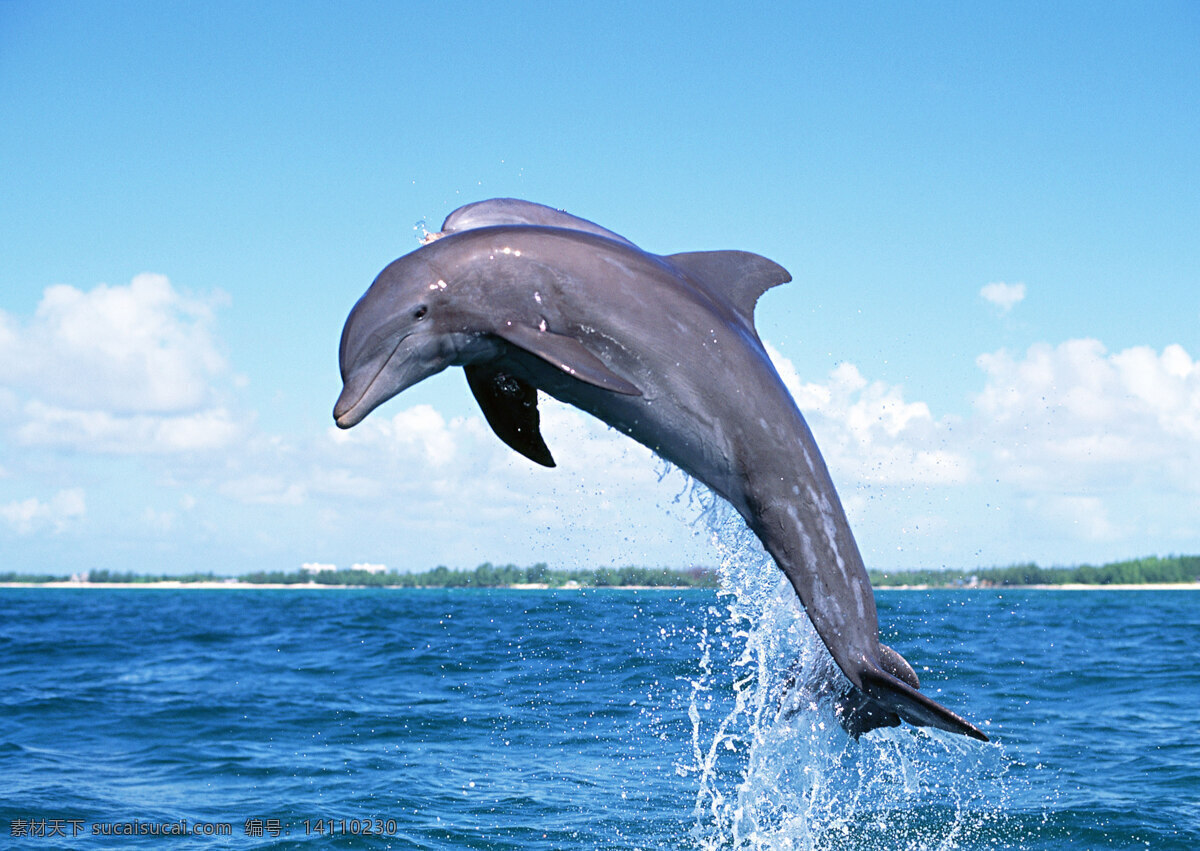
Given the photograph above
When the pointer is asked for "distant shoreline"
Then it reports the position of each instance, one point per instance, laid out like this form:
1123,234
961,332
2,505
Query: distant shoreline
1069,586
167,584
1150,573
170,584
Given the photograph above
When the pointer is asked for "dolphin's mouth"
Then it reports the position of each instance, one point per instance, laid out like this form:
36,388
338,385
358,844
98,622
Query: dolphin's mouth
346,411
343,412
350,410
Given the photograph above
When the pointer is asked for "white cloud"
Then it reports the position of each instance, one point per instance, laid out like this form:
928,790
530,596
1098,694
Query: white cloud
139,348
418,451
1066,446
158,522
421,426
1074,446
1004,296
409,486
124,369
29,515
415,450
416,483
868,432
103,431
1087,517
265,489
1081,447
1072,415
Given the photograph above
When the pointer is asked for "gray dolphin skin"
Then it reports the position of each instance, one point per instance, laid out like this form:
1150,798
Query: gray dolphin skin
663,348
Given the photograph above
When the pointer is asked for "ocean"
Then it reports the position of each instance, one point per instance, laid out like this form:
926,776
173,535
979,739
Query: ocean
587,719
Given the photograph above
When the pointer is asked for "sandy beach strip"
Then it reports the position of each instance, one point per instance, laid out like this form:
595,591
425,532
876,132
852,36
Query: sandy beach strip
172,584
1070,586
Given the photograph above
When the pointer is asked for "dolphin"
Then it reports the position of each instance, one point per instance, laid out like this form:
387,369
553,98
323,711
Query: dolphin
514,211
663,348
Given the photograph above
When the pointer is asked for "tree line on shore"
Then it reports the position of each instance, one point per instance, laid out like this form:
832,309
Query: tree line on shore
1153,570
1143,571
488,575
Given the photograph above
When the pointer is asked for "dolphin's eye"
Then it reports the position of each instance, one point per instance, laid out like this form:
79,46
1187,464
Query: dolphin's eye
420,312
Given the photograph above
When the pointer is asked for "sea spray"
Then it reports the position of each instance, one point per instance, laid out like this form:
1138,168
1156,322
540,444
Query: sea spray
773,767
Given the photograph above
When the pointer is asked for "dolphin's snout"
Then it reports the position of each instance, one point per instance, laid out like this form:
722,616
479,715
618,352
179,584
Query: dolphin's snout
341,415
344,413
368,385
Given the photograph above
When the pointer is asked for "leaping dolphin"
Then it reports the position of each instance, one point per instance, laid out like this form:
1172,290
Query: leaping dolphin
663,348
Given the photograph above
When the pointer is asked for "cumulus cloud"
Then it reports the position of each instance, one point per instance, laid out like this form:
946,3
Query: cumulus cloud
265,489
1053,418
412,450
1067,441
415,483
1004,296
419,427
1086,517
29,515
131,368
157,521
418,451
1073,445
103,431
1074,415
1084,447
869,432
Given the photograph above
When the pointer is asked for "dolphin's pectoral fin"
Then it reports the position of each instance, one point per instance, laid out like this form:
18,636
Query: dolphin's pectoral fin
736,277
566,353
510,407
886,695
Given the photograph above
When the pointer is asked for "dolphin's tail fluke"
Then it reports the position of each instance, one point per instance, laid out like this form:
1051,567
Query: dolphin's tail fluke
889,695
885,699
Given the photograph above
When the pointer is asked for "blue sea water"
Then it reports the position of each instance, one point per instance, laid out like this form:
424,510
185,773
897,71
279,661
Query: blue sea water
611,719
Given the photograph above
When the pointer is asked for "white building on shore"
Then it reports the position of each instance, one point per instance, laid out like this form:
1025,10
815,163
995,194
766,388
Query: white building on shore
317,567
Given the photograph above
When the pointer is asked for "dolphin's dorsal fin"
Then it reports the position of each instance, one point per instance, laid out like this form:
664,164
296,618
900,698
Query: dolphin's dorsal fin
514,211
565,353
737,278
510,407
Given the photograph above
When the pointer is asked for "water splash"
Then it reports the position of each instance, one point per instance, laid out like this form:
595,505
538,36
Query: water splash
423,234
775,770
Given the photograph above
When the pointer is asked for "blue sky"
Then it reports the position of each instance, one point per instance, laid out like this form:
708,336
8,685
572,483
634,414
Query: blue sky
991,213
